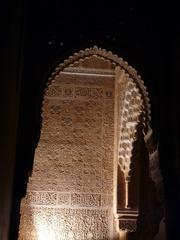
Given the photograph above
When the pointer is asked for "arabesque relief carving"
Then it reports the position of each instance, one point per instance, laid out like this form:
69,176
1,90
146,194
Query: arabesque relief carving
93,106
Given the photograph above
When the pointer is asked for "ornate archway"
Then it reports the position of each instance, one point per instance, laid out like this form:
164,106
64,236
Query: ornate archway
94,151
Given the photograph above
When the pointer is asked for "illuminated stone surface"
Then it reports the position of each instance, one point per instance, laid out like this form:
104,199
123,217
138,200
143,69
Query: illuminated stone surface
90,116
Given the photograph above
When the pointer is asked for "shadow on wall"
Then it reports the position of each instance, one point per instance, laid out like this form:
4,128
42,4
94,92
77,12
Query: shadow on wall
162,231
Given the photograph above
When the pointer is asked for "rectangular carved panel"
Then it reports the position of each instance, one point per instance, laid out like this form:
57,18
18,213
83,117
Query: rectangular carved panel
70,192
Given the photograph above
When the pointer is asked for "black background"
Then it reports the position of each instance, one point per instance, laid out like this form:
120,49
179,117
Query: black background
37,36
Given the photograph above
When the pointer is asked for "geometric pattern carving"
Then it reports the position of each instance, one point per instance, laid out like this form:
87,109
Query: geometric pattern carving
34,198
127,219
72,175
63,223
70,192
128,225
132,108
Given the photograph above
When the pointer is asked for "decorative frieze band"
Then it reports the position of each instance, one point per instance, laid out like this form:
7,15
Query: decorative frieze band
79,92
68,199
127,219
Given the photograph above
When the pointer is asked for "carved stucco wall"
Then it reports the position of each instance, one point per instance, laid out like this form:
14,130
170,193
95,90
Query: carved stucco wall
91,108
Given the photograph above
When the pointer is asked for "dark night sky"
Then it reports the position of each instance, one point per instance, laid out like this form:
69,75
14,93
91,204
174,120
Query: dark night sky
144,34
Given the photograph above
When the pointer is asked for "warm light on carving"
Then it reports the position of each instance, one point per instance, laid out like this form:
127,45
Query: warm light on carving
45,231
126,194
122,235
44,234
88,127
